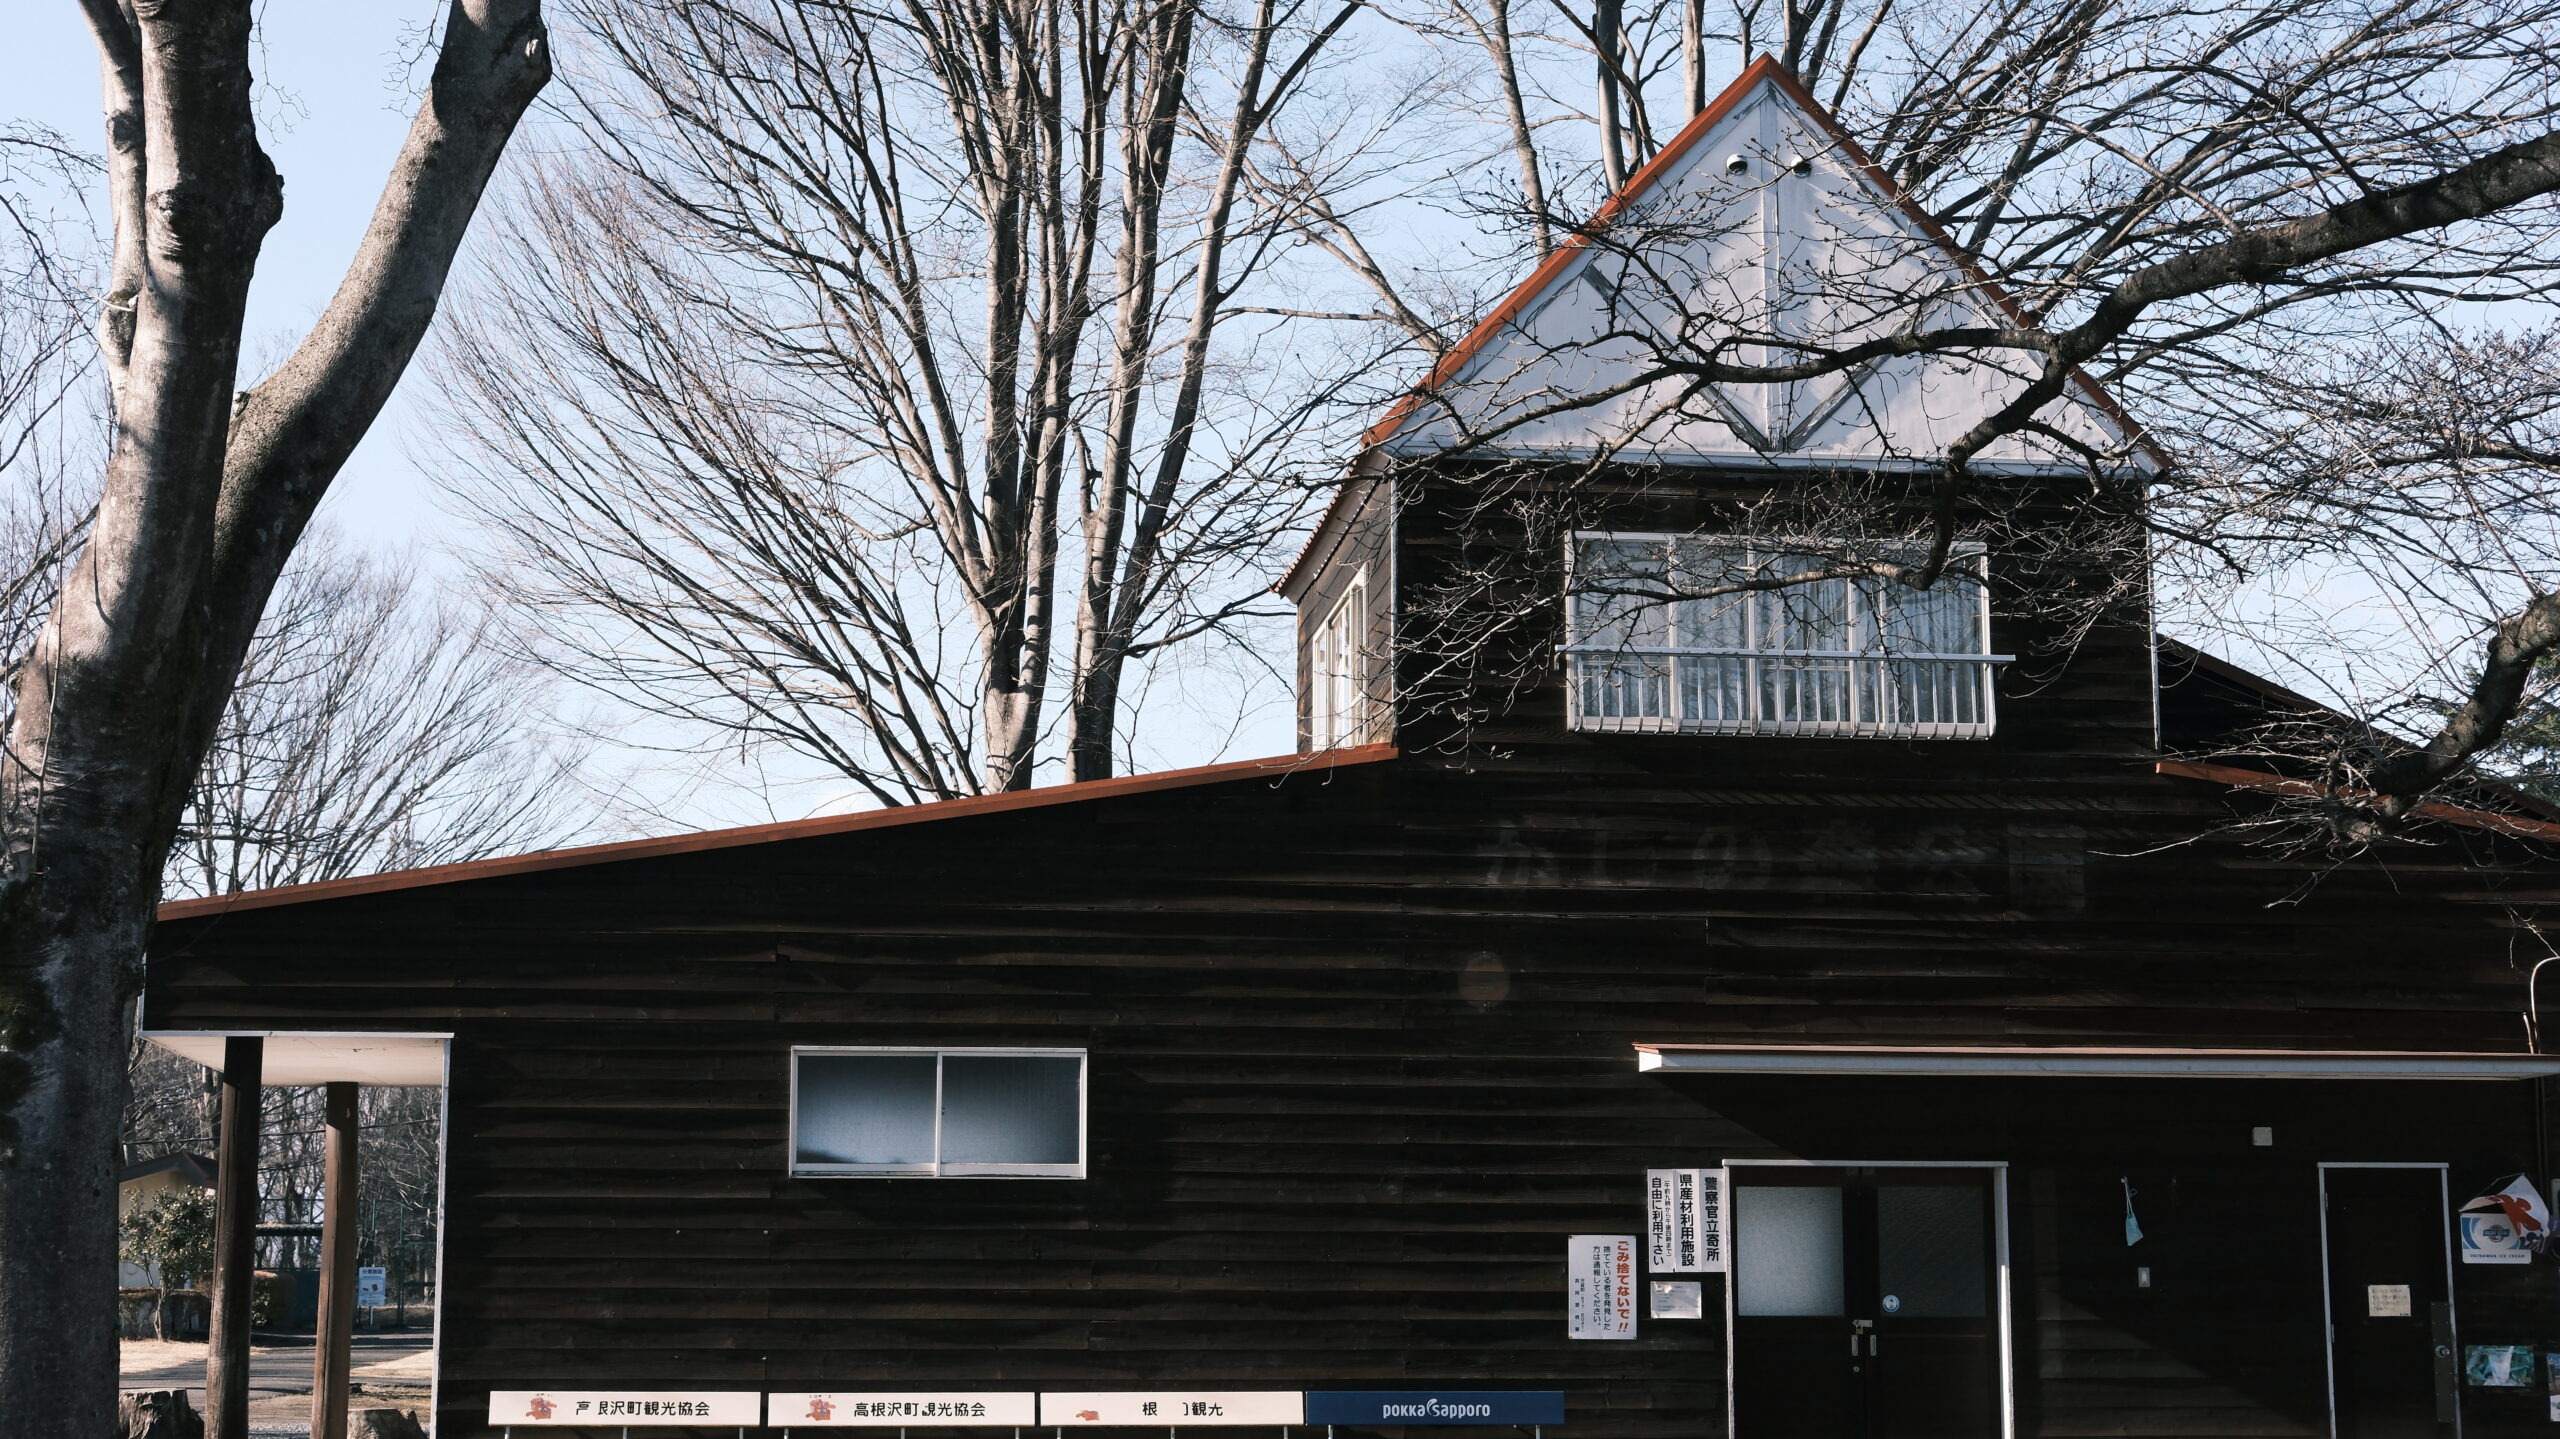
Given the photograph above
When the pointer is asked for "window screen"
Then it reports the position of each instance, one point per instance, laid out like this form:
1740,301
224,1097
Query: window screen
938,1112
1710,634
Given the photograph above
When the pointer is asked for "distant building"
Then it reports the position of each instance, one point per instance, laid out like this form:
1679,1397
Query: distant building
139,1186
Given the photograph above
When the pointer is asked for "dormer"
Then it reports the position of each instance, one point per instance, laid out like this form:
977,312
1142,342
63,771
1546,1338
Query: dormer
1680,599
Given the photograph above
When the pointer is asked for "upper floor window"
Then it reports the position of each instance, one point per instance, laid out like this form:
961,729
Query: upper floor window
1015,1113
1338,672
1661,636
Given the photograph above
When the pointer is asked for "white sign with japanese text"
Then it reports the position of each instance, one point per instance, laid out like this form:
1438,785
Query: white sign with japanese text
1684,1221
1600,1286
916,1411
373,1287
510,1408
1175,1408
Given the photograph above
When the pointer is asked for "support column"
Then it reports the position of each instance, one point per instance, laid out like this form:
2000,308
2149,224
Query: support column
330,1357
235,1235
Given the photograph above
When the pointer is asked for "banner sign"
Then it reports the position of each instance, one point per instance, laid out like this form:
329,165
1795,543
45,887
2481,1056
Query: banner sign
654,1408
1684,1221
2492,1239
2505,1225
1600,1286
1174,1407
921,1410
1435,1406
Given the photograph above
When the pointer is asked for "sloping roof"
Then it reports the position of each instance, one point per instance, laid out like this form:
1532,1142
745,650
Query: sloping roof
195,1169
1760,219
1276,768
1810,240
2198,728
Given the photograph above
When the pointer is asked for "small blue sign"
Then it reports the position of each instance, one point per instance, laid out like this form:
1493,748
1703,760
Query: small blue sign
1435,1406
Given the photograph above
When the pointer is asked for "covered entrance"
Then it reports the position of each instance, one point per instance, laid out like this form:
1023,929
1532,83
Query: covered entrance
249,1063
1867,1301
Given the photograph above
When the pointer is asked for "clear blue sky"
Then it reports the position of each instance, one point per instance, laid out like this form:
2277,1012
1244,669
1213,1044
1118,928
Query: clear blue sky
333,104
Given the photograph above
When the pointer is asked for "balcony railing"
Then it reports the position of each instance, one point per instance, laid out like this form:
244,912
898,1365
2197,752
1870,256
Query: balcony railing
1783,692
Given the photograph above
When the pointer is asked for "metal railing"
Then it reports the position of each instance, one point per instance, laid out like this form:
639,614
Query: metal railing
1645,690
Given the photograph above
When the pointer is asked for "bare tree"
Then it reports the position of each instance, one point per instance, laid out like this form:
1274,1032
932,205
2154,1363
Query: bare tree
886,370
49,411
2389,513
206,490
2198,212
372,729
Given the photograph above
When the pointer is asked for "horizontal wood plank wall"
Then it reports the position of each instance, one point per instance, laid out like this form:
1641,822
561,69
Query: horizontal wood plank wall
1361,1061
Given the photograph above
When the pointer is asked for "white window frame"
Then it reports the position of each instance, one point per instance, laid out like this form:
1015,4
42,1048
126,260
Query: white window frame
937,1169
1865,670
1338,671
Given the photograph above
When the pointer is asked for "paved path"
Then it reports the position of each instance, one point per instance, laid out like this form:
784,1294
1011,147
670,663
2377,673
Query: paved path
286,1369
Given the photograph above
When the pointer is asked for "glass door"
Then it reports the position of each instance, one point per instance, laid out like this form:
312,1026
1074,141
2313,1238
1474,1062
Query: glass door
1865,1303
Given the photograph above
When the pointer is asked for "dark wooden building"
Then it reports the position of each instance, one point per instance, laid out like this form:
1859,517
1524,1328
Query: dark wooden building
2044,1103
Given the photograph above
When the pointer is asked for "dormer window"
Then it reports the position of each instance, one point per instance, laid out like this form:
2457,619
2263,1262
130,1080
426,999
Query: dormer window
1338,671
1695,634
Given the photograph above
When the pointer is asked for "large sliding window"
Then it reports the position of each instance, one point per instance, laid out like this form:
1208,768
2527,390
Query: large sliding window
1698,634
1016,1113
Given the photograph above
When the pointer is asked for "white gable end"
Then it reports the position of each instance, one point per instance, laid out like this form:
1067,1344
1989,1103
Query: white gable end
1757,240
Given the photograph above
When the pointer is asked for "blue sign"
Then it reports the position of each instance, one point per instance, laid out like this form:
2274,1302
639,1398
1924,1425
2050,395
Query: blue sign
1435,1406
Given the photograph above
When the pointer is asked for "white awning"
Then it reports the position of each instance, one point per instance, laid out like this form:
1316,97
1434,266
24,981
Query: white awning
398,1060
1912,1060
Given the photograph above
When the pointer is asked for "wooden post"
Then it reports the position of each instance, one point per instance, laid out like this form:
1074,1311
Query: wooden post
235,1236
330,1357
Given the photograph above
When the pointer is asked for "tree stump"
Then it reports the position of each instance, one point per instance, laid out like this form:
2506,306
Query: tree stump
158,1414
383,1424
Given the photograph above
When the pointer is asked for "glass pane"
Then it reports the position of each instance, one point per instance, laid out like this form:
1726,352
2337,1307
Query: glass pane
1930,1250
1715,622
1786,1250
866,1109
1010,1109
1944,619
1812,616
1617,585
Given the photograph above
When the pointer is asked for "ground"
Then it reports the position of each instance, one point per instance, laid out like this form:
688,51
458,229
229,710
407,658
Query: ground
390,1371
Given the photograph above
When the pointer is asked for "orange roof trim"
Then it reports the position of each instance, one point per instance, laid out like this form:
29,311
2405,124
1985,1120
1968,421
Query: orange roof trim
2235,777
1277,768
1766,67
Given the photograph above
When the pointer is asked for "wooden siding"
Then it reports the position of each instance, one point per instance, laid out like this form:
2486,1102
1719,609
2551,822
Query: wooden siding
1361,1061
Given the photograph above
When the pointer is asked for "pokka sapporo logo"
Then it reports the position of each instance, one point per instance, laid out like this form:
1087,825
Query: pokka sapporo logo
539,1409
820,1409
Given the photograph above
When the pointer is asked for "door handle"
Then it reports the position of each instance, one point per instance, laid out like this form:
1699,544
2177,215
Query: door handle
2448,1376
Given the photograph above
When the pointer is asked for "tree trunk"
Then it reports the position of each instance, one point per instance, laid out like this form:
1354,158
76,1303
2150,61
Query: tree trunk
204,496
158,1414
1608,32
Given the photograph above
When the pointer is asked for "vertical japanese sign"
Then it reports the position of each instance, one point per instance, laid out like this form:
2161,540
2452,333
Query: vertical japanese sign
1600,1286
1684,1221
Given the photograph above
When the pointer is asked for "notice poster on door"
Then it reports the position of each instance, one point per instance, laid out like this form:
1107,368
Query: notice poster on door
1600,1286
1684,1221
